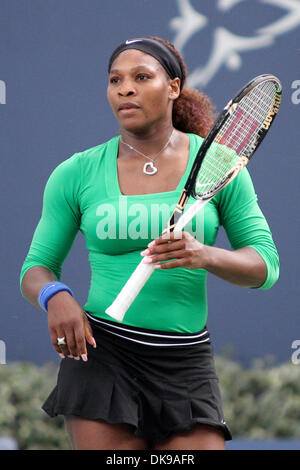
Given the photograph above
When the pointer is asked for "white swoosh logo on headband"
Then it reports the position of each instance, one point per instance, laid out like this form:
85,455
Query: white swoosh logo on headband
132,40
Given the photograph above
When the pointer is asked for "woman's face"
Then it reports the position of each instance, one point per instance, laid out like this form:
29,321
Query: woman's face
139,91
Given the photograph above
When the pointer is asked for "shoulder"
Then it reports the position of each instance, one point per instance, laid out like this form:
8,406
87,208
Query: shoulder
237,197
97,150
242,181
72,166
241,184
195,140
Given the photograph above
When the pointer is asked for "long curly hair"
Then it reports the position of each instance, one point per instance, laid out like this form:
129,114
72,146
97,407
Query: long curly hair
193,111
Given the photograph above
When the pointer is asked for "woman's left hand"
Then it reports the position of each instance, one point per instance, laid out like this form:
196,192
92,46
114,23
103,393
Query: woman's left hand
185,252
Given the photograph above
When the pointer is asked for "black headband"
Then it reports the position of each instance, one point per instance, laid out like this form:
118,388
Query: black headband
158,50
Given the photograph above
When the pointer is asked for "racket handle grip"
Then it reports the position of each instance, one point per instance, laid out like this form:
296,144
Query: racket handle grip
130,290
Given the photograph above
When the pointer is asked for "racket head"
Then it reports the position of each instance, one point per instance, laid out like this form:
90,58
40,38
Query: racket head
237,133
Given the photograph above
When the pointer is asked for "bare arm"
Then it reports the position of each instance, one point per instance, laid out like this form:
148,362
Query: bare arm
243,267
33,281
65,316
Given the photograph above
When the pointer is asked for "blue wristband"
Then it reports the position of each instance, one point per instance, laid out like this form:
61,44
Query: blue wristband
49,290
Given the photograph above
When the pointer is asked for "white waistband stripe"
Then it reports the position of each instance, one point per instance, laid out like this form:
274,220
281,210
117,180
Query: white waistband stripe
151,338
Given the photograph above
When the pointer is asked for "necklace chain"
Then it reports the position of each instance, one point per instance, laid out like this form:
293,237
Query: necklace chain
146,156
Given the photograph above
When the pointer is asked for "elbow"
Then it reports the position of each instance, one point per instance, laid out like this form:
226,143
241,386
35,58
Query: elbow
32,280
272,269
271,278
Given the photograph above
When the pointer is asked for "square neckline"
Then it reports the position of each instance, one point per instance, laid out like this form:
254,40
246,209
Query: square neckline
112,177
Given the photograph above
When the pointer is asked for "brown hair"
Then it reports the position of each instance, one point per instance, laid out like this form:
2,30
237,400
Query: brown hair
193,111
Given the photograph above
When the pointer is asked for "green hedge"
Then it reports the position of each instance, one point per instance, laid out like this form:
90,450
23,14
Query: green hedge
23,389
262,401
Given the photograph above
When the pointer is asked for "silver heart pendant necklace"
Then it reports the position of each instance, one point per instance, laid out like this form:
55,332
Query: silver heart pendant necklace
149,168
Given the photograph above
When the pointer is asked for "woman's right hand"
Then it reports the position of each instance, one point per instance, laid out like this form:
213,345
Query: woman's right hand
66,319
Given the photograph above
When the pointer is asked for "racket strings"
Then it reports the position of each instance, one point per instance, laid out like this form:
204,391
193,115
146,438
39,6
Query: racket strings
237,137
251,114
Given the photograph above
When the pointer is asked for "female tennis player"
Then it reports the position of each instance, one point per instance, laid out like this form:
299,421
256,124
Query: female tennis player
148,382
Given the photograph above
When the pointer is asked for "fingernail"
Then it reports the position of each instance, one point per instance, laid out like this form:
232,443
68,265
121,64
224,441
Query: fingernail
157,266
84,357
151,244
70,356
61,355
76,358
147,259
145,252
94,343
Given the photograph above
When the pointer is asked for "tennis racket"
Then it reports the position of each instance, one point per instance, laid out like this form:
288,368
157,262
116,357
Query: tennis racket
232,141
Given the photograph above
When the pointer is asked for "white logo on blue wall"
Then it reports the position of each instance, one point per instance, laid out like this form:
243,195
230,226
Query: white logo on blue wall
227,46
2,352
2,92
296,94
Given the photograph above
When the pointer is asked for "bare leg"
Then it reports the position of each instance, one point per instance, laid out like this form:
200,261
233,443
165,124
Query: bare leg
87,434
200,437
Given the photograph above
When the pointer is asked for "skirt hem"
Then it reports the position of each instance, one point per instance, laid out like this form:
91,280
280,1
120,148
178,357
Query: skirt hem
127,420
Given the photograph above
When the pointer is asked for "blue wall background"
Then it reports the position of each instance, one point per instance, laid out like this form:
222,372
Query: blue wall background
53,58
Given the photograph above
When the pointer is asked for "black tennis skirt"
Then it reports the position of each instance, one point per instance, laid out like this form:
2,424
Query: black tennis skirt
158,390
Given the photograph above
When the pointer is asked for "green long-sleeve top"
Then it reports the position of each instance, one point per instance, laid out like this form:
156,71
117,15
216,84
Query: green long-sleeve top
83,193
